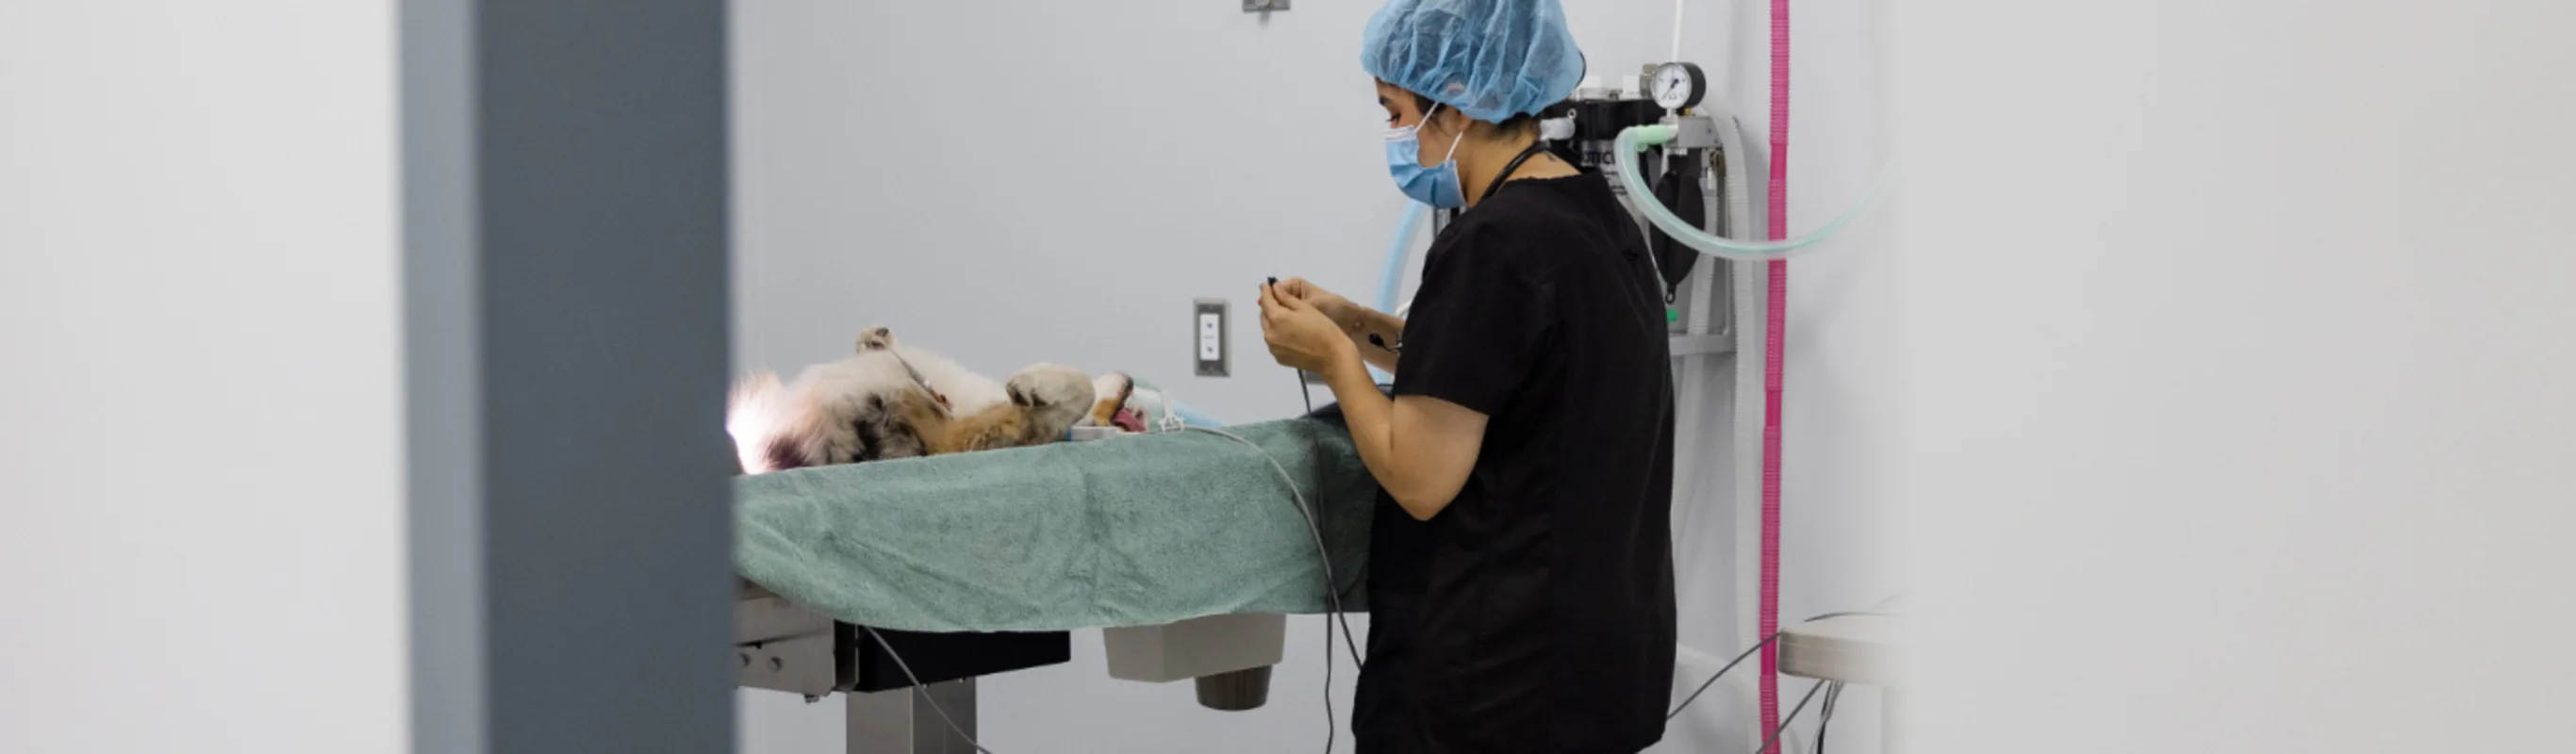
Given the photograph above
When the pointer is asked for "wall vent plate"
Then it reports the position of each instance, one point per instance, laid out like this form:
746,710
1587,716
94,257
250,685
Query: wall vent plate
1208,337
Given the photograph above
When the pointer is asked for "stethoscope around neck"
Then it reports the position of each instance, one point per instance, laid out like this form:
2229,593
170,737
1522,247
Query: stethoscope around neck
1536,147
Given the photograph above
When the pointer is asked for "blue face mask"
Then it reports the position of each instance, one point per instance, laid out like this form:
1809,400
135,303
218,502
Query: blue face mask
1436,186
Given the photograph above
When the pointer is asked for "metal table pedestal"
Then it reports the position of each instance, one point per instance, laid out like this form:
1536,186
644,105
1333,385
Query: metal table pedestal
901,721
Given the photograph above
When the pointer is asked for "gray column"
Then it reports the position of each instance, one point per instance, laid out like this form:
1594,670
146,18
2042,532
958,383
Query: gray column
904,721
565,221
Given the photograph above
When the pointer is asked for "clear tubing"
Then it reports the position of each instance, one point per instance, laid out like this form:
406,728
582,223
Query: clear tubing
1739,193
1391,282
1698,372
1637,138
1157,401
1396,253
1191,417
1677,31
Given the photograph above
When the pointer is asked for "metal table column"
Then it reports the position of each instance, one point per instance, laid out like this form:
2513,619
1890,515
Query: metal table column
901,721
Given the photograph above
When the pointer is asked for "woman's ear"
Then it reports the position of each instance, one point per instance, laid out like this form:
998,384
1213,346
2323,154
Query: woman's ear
1455,122
1451,123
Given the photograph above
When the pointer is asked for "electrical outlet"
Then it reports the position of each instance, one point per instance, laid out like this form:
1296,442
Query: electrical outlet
1208,343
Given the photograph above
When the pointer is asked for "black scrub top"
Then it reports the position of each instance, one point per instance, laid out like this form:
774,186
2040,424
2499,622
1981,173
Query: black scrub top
1535,612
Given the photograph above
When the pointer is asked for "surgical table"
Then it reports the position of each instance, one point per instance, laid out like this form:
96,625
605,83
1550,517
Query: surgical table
1188,550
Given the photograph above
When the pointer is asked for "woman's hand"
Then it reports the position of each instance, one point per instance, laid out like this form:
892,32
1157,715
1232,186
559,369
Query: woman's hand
1341,311
1300,335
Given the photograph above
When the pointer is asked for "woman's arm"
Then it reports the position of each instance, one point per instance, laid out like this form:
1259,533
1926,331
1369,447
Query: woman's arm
1356,321
1420,449
1381,324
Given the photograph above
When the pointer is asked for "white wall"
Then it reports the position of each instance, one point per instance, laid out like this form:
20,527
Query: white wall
2242,375
1021,181
2229,376
199,468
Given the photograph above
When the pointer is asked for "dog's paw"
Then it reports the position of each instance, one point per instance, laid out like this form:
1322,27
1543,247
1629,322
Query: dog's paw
1050,385
875,339
1114,386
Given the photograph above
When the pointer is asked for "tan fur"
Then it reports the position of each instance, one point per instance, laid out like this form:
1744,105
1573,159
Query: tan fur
1036,415
1010,425
1114,390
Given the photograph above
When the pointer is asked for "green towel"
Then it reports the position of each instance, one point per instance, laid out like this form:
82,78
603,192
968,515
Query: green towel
1135,530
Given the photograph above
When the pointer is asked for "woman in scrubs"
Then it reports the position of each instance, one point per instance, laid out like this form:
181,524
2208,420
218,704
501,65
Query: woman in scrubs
1520,558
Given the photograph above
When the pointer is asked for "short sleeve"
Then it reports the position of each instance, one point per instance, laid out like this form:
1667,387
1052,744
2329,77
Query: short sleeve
1477,323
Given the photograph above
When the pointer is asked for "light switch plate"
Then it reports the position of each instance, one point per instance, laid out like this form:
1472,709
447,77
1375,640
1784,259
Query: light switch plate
1208,336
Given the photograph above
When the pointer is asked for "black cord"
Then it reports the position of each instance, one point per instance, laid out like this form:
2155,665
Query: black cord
1348,637
1309,395
1333,591
1330,727
1850,613
1306,391
1824,723
1757,647
1313,513
1793,716
1356,663
1721,673
924,692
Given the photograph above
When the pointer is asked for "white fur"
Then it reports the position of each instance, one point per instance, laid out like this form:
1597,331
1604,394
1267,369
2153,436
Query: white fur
1105,387
816,411
760,411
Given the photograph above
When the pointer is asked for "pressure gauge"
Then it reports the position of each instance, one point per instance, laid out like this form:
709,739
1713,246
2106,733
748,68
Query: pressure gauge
1679,86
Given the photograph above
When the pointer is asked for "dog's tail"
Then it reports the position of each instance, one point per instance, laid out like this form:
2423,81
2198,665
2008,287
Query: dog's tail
773,427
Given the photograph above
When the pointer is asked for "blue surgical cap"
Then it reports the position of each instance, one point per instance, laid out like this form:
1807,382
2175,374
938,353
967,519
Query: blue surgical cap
1490,59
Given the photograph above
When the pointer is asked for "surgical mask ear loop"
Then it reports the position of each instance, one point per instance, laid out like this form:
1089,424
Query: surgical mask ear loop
1453,141
1416,128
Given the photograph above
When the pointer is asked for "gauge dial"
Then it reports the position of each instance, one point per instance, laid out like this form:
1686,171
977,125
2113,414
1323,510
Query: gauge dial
1679,86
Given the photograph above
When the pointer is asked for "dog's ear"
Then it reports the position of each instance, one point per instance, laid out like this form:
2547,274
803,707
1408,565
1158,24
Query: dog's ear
875,339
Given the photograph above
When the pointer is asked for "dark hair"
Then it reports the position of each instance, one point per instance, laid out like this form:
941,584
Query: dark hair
1517,124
